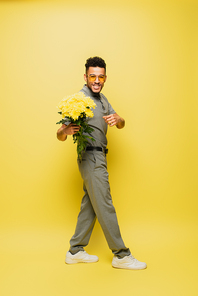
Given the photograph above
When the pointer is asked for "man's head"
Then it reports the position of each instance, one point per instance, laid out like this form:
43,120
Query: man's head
95,76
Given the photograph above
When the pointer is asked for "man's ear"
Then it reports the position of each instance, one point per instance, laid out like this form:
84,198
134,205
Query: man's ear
85,77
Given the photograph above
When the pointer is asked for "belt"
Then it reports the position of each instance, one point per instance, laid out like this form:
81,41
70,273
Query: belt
91,148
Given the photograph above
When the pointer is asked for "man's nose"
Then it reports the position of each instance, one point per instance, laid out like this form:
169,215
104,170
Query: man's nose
97,80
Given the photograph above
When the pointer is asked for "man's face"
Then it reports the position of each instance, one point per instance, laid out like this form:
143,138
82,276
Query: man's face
97,85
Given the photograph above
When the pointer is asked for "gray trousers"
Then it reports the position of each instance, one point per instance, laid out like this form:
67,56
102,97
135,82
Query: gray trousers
97,202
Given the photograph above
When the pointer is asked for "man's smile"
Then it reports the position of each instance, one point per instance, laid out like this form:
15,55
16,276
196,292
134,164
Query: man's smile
96,86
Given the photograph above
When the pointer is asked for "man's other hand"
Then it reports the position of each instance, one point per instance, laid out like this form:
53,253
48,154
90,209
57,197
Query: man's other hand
114,119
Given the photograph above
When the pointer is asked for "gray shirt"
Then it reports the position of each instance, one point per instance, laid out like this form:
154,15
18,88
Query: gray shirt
103,108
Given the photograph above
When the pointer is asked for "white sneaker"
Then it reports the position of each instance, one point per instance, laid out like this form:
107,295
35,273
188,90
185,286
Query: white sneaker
128,262
79,257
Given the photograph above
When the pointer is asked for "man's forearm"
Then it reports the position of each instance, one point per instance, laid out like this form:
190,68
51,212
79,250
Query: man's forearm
61,136
121,123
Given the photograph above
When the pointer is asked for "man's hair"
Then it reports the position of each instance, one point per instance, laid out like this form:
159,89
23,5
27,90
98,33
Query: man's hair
95,62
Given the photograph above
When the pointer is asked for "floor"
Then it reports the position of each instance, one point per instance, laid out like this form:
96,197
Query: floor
32,263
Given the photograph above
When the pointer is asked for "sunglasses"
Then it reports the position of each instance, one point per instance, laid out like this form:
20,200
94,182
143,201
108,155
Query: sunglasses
92,77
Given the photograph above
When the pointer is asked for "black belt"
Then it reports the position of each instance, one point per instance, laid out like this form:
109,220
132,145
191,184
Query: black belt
91,148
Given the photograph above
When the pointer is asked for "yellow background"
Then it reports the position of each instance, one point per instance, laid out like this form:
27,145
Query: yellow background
150,48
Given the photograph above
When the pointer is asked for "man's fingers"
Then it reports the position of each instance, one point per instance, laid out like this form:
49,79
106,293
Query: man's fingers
107,117
75,126
111,123
72,129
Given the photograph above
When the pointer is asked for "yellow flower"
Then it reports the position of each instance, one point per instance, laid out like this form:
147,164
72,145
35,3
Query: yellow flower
74,114
89,102
89,113
72,106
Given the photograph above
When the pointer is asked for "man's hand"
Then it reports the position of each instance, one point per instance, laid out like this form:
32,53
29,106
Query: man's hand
114,119
66,130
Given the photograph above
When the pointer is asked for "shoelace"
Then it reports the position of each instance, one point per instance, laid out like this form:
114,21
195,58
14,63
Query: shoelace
132,258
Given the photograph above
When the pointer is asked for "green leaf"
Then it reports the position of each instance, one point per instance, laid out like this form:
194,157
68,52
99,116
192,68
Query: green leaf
59,122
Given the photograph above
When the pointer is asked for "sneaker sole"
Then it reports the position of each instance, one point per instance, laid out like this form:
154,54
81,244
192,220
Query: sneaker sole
73,261
125,267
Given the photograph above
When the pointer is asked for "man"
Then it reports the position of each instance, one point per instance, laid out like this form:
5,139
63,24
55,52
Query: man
97,201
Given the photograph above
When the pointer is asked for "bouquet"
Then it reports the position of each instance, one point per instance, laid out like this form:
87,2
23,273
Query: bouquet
76,109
